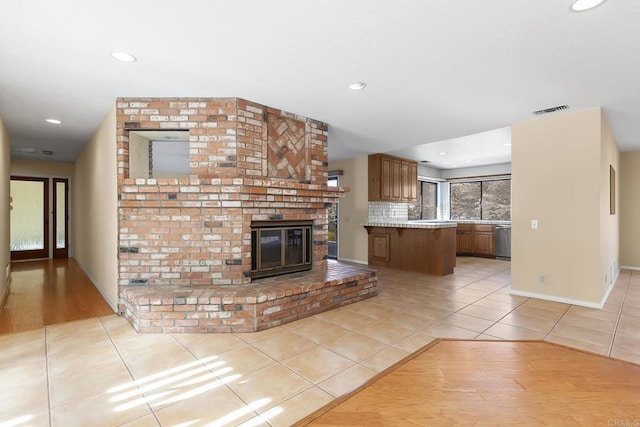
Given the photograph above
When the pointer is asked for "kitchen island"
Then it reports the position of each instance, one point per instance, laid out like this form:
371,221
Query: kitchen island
427,247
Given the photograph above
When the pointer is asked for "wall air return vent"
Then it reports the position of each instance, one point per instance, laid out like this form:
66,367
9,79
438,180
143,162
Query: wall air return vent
551,110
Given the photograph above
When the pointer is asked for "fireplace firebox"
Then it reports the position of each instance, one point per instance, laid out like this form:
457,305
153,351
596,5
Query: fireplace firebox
280,247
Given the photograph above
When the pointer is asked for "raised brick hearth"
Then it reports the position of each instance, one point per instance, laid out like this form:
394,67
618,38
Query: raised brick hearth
263,304
186,238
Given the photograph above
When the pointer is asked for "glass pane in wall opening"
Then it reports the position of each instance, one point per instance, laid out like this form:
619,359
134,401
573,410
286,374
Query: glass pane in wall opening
332,251
465,200
159,154
61,208
27,215
429,200
426,205
496,200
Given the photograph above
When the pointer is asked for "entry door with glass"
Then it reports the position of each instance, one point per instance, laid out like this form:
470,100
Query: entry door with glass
29,218
30,233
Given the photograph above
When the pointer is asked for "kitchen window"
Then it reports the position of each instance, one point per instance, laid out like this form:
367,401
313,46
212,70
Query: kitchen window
426,206
483,200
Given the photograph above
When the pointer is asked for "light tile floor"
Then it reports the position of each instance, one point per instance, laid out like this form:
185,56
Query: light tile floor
99,372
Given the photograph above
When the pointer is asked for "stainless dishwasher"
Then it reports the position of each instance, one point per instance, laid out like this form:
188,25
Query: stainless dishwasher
503,241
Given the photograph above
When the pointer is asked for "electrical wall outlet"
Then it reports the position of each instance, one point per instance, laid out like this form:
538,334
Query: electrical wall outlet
542,279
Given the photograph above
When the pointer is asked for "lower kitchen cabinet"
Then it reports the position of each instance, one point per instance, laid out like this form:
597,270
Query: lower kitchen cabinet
427,250
464,239
476,240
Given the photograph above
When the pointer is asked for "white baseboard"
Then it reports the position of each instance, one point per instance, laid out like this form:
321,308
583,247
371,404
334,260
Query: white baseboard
560,299
93,281
355,261
626,267
575,301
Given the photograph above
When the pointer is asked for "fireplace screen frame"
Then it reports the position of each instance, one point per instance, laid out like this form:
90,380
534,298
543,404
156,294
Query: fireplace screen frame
259,270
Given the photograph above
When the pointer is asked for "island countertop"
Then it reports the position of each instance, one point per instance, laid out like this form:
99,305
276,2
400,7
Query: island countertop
412,224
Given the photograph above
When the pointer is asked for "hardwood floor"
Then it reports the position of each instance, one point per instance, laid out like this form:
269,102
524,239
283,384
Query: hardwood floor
494,383
49,292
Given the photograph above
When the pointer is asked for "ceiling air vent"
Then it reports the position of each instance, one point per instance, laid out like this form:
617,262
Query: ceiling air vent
551,110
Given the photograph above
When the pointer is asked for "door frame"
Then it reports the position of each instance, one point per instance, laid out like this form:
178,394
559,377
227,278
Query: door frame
36,253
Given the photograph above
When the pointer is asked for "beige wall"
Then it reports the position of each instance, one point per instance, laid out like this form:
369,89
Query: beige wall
138,156
629,203
5,177
609,223
558,179
353,209
95,211
27,167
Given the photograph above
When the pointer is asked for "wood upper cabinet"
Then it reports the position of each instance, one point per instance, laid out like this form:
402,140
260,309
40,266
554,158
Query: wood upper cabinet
392,179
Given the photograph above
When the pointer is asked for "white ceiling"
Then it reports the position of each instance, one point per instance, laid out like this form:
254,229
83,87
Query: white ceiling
435,69
480,149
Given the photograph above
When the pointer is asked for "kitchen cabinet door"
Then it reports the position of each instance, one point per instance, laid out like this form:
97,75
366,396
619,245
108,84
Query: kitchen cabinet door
386,175
484,244
464,243
396,180
413,182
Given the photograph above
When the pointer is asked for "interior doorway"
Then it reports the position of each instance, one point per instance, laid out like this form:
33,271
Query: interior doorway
332,252
39,218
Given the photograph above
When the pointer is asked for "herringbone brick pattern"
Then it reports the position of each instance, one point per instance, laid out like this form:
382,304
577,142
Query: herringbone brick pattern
286,148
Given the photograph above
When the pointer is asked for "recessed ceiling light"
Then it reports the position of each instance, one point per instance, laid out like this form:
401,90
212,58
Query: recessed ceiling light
357,86
582,5
507,144
443,153
124,56
54,121
469,161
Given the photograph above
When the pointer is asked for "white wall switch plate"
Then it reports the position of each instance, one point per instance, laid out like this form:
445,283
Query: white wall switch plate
534,224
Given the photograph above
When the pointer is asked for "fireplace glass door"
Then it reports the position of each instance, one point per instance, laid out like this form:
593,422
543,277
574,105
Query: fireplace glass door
280,249
270,248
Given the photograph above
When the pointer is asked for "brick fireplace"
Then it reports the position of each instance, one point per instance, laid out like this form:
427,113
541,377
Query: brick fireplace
179,237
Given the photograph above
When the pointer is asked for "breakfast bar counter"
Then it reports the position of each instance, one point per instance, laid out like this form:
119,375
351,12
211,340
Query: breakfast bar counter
427,247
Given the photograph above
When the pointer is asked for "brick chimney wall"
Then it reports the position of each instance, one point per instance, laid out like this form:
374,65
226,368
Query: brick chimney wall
248,163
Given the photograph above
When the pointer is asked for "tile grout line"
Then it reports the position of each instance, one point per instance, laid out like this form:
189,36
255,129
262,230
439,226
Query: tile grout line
494,322
133,378
558,321
220,379
279,362
624,300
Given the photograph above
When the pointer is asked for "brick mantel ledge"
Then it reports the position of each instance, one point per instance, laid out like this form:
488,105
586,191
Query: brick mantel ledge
263,304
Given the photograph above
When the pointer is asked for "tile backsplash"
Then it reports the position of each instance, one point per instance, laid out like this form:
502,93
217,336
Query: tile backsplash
388,212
